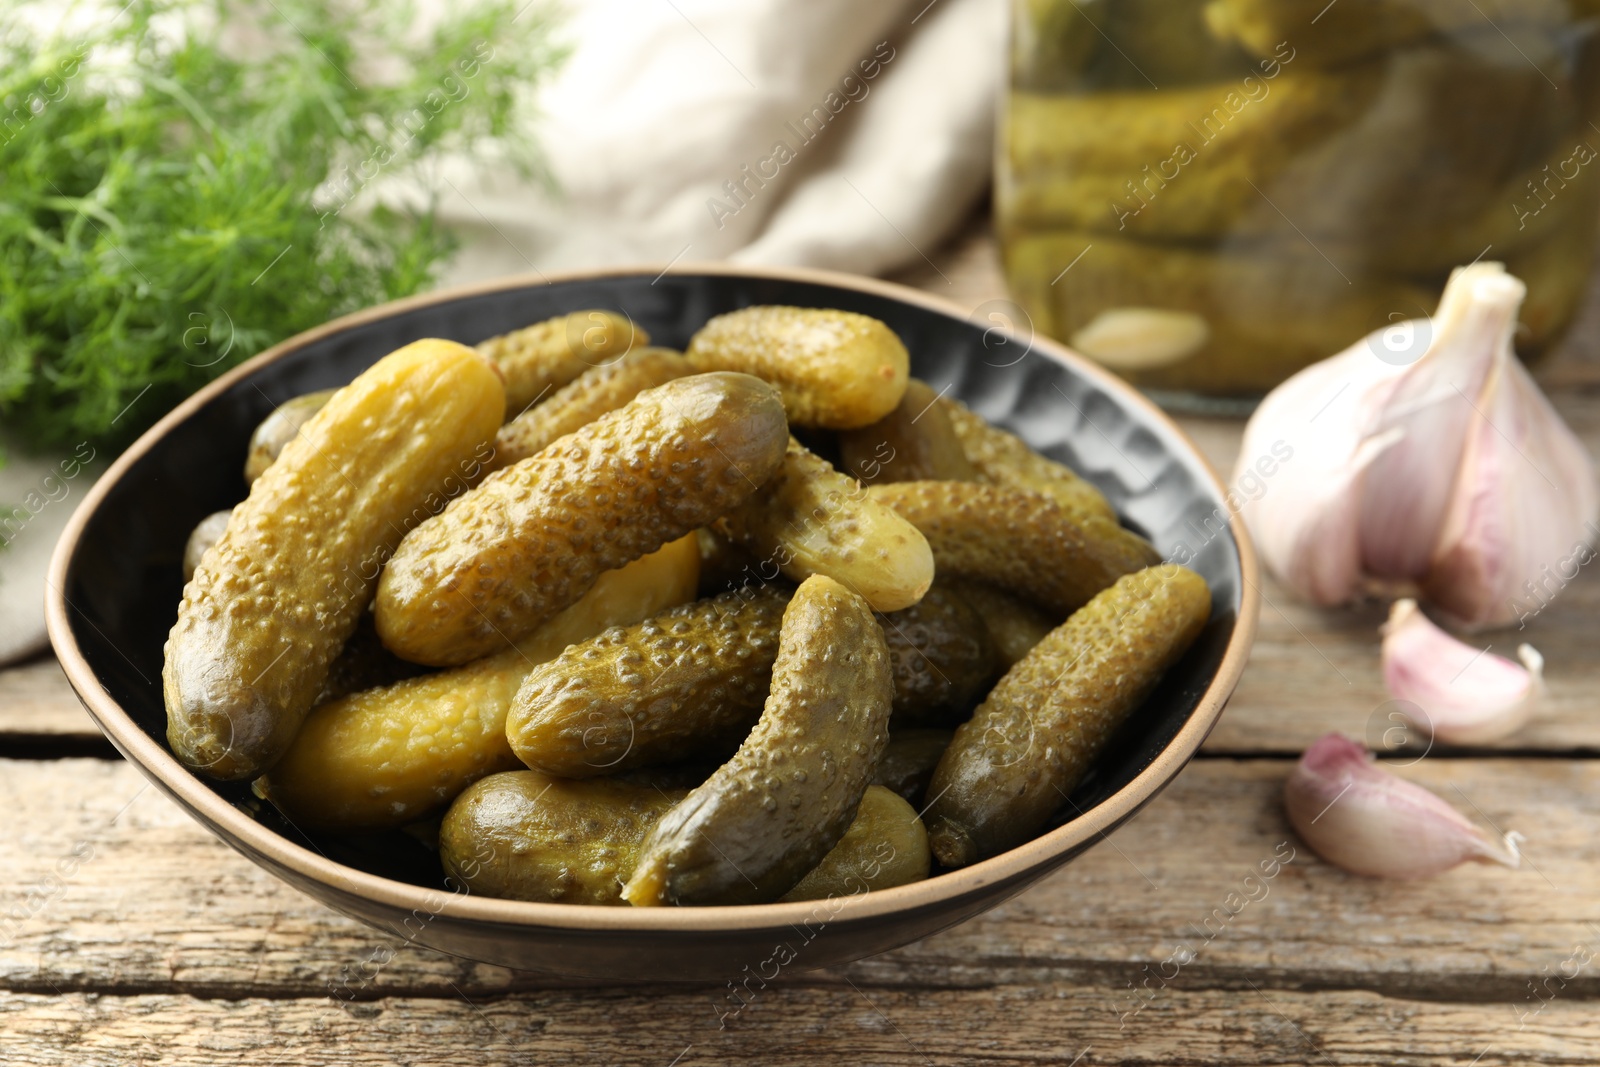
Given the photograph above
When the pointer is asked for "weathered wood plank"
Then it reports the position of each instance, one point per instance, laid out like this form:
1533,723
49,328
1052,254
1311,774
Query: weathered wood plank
35,700
110,888
1054,1023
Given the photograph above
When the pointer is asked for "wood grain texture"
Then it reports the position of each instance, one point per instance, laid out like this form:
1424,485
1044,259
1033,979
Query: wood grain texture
36,701
1056,1023
154,903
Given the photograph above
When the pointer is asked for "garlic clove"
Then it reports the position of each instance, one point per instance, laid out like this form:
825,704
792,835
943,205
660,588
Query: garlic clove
1408,490
1523,507
1137,338
1467,696
1360,817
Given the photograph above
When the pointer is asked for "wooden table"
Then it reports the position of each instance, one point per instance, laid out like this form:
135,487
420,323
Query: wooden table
128,934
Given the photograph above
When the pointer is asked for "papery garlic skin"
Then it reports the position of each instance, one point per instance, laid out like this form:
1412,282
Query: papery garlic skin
1467,696
1403,477
1407,491
1524,498
1358,816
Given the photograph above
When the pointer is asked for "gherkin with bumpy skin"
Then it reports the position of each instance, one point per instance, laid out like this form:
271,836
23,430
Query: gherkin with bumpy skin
810,519
885,846
914,442
688,681
278,429
909,760
532,538
1015,762
838,370
940,655
586,398
770,814
1014,625
276,598
538,359
1003,458
1020,541
524,835
387,755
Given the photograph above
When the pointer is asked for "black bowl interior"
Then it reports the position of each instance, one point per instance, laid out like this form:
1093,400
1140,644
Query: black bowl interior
124,582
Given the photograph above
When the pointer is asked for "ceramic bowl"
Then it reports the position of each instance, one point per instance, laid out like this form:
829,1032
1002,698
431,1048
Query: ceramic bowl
115,583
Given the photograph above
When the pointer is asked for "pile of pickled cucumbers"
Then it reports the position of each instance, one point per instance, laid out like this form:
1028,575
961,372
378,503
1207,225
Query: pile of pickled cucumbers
762,620
1241,187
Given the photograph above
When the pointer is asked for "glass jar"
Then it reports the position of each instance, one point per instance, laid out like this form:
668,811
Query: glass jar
1206,195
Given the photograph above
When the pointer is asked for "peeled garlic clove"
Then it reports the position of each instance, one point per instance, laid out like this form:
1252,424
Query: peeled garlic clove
1467,696
1358,816
1523,507
1408,491
1136,338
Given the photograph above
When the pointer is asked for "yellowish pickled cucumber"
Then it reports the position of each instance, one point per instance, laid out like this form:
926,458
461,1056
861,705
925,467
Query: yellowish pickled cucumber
1014,625
768,815
592,394
691,682
810,519
1330,36
538,359
531,538
1023,542
912,443
1270,311
838,370
207,532
523,835
1003,458
908,761
387,756
940,655
885,846
276,598
688,682
1015,762
278,428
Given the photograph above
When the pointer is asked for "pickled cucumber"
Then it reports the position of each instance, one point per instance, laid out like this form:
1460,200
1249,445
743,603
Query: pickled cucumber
278,428
940,656
363,663
1014,625
386,756
275,599
685,682
838,370
1028,745
1021,541
810,519
595,392
530,539
523,835
538,359
885,846
1269,313
912,443
207,532
908,761
1005,459
768,815
1331,34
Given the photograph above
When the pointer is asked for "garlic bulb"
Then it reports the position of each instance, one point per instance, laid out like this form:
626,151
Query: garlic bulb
1448,473
1466,695
1360,817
